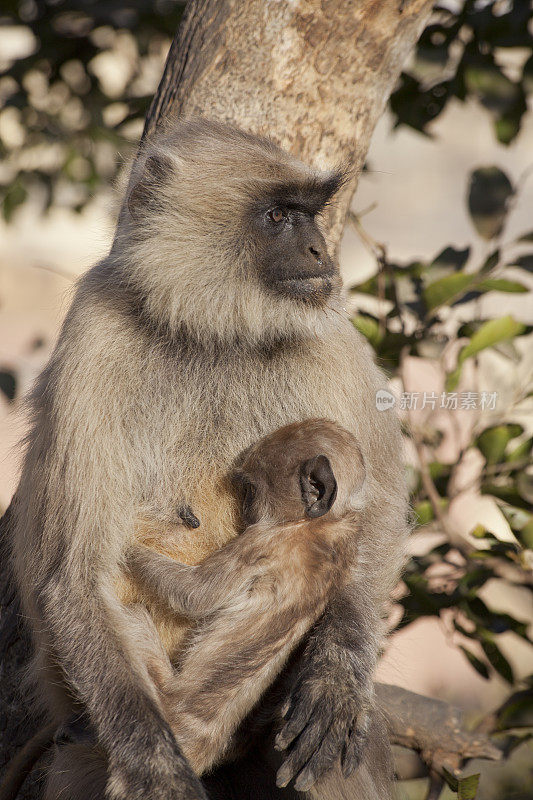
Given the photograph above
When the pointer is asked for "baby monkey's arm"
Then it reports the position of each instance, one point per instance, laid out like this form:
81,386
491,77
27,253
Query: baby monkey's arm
194,591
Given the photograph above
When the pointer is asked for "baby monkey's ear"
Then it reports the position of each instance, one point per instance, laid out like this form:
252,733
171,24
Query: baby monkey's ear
318,485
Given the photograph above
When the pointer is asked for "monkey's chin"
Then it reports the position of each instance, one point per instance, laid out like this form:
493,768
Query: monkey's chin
314,289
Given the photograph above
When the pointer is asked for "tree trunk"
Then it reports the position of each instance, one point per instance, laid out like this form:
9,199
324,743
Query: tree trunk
313,75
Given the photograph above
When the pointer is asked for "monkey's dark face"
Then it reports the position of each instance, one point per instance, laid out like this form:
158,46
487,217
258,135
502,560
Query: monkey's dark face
223,237
292,257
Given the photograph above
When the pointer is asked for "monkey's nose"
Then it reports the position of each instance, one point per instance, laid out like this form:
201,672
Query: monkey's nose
316,253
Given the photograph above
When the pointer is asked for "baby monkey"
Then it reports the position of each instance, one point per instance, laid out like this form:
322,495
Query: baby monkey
301,489
252,601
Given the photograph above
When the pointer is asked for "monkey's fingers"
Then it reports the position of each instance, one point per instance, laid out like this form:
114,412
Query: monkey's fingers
307,743
188,518
322,760
355,745
296,715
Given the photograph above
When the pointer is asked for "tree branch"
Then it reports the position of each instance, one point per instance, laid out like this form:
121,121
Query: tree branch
434,729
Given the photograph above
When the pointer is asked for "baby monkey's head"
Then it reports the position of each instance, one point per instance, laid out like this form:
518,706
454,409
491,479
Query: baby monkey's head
302,471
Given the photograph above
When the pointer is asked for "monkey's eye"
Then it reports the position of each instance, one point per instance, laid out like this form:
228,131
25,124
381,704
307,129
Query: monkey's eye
277,214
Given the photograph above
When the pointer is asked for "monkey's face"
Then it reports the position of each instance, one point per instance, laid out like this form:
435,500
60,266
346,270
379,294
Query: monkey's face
291,254
223,237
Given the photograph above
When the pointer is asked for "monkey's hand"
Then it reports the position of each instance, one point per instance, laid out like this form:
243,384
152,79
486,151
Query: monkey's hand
328,712
188,518
162,773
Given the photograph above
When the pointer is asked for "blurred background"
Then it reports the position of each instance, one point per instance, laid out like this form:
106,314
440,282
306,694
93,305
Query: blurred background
438,255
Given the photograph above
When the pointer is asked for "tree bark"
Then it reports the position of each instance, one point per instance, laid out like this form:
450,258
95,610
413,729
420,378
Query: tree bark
313,75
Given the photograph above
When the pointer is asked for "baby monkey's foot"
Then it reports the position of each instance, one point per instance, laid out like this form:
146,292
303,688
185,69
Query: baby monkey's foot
186,515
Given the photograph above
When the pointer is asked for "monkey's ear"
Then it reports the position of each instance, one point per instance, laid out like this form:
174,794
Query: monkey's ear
144,194
318,485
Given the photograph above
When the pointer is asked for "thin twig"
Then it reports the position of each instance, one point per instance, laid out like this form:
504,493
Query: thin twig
435,786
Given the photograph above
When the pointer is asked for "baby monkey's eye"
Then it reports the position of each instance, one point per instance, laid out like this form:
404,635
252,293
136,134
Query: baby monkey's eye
277,214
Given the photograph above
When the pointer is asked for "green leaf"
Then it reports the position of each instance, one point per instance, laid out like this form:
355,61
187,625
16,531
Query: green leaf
488,200
13,198
517,711
450,779
526,262
525,535
508,494
491,333
491,261
501,285
522,451
493,441
448,260
453,378
370,286
497,659
8,383
476,663
446,289
424,512
467,788
369,327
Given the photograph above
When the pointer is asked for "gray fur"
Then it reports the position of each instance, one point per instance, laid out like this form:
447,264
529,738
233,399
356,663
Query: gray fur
172,360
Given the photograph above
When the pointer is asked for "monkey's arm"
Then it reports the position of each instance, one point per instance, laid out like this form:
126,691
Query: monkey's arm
73,509
328,712
194,591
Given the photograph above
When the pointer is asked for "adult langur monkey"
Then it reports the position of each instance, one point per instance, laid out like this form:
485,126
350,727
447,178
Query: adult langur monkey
216,318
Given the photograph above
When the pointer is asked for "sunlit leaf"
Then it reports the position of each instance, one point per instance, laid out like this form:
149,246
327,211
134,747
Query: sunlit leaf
508,494
501,285
424,512
525,535
445,289
369,327
450,779
524,484
521,451
492,332
467,788
489,334
453,378
493,441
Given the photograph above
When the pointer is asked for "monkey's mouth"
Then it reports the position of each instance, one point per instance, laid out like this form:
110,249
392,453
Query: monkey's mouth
307,287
